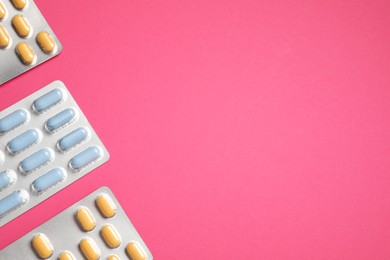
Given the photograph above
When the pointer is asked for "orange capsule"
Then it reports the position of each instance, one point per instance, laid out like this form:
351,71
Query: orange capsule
5,40
25,53
21,26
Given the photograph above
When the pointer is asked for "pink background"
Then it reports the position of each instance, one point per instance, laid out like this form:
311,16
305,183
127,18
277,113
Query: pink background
239,129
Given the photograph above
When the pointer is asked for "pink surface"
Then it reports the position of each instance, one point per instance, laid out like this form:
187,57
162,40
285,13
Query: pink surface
238,129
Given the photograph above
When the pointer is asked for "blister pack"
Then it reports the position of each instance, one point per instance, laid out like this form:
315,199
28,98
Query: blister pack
46,143
94,228
26,39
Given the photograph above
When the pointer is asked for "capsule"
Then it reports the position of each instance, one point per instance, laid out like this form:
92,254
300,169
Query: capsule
47,101
3,11
110,236
105,206
46,42
23,141
13,201
72,139
89,249
85,219
60,120
66,255
5,39
113,257
35,161
13,120
19,4
135,252
21,26
7,178
42,246
48,180
25,53
84,158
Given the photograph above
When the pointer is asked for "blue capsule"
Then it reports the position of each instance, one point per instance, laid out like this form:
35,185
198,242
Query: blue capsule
48,180
72,139
7,178
13,120
85,157
35,161
23,141
60,120
48,100
13,201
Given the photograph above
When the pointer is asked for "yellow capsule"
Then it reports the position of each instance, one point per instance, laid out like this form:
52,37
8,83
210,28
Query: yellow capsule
46,43
85,219
89,249
135,252
113,257
42,246
110,236
66,255
25,53
19,4
106,206
3,11
4,38
21,26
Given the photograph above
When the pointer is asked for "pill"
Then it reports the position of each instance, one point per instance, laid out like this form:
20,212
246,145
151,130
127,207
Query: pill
3,11
23,141
47,101
7,178
105,206
85,157
42,246
89,249
19,4
110,236
60,120
13,201
135,252
5,40
25,53
21,26
113,257
85,219
48,180
46,43
13,120
72,139
35,161
66,255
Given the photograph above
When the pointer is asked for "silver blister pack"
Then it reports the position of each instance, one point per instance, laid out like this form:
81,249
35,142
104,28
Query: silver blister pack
10,64
63,234
46,143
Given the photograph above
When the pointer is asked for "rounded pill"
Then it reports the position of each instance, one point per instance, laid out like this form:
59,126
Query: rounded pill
48,180
35,161
13,201
19,4
25,53
42,246
60,120
85,219
21,26
113,257
47,101
3,11
135,252
46,42
105,206
7,178
72,139
89,249
5,39
12,120
23,141
110,236
66,255
85,157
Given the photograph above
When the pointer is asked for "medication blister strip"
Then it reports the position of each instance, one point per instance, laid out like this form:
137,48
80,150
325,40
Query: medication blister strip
46,143
26,39
63,237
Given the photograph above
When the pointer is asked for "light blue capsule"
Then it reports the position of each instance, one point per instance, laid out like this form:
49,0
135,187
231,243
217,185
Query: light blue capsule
35,161
23,141
85,157
48,180
7,178
61,119
12,120
13,201
48,100
73,138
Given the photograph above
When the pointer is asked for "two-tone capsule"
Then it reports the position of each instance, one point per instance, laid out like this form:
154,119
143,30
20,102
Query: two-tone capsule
35,161
23,141
42,246
84,158
60,120
13,201
48,180
89,249
7,178
47,101
13,120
